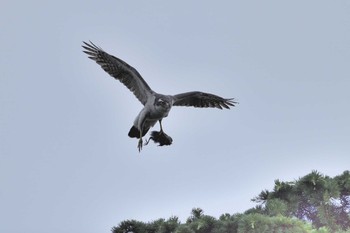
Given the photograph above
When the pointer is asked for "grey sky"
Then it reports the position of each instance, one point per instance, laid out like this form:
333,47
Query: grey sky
66,162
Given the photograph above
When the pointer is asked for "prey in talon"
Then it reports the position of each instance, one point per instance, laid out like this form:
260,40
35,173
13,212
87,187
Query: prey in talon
160,137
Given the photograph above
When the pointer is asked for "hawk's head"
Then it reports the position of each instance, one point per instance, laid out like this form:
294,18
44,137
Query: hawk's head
162,103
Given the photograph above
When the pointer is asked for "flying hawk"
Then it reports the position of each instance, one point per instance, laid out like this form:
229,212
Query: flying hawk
156,106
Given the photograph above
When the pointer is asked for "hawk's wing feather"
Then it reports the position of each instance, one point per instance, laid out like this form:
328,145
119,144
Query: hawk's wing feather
202,100
120,70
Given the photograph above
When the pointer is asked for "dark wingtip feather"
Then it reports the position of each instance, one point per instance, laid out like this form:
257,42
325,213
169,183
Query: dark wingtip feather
231,102
92,50
91,47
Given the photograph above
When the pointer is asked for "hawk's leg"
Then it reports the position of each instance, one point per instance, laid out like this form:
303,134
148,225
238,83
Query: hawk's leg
140,142
161,128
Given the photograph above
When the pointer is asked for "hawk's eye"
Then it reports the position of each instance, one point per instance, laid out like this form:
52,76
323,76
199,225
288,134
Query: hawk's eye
162,103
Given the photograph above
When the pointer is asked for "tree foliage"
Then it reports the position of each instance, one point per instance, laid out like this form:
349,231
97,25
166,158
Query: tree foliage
314,203
319,199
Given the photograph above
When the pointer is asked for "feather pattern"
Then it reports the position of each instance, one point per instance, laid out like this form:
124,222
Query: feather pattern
120,70
202,100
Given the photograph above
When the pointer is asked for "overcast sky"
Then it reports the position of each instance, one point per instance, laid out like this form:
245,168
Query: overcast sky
66,162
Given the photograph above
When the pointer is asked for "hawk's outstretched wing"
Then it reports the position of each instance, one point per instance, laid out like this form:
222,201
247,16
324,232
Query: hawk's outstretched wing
120,70
202,100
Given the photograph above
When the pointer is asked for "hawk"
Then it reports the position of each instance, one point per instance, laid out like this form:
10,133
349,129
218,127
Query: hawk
156,106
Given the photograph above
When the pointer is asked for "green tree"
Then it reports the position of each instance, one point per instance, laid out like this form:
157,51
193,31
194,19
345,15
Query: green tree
169,226
153,227
342,204
322,200
290,207
130,226
228,223
184,229
196,214
258,223
201,223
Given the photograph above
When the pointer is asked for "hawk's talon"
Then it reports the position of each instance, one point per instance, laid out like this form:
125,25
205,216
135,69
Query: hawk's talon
147,141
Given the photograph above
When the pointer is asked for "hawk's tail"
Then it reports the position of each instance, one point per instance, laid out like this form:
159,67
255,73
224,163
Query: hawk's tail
135,133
